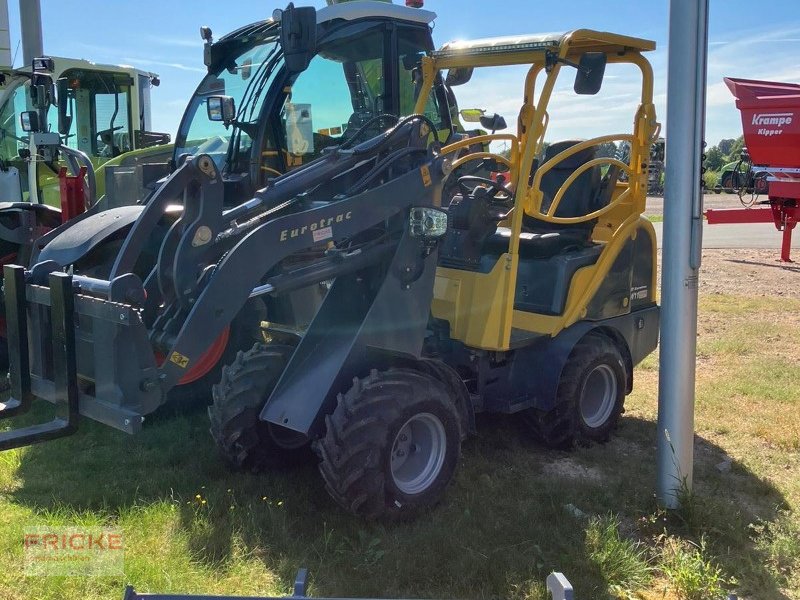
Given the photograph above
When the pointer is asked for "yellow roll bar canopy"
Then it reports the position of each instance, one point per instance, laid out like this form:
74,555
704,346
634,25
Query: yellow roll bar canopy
480,306
510,50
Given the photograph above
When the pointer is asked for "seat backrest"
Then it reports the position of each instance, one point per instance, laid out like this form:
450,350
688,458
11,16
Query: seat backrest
579,198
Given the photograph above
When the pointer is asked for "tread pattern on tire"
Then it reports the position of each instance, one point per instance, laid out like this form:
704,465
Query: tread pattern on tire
360,431
559,428
241,437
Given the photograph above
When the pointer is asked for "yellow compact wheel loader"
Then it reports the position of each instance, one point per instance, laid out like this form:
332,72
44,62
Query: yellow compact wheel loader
544,298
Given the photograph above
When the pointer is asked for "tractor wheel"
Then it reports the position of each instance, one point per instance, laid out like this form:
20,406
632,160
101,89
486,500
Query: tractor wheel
727,183
245,441
590,396
391,445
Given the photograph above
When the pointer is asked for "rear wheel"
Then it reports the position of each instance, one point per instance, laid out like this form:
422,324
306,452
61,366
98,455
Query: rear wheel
727,182
590,397
391,445
242,438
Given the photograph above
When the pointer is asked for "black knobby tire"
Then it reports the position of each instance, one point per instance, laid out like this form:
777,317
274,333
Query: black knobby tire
244,441
363,434
727,183
594,362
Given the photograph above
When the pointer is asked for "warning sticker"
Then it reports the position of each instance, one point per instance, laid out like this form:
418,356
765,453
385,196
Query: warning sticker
322,234
426,175
179,359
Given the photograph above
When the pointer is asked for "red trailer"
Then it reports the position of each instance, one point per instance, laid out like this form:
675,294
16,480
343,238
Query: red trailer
771,123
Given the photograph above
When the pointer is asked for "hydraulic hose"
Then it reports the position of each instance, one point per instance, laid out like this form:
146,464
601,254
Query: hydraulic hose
360,131
371,145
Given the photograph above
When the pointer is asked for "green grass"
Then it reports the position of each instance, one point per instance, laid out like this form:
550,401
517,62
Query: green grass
622,562
508,520
655,218
694,577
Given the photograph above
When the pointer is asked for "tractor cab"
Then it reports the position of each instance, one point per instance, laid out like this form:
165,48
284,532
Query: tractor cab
100,110
259,114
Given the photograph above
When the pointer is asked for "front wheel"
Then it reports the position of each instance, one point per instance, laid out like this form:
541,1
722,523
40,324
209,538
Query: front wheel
590,397
244,441
391,445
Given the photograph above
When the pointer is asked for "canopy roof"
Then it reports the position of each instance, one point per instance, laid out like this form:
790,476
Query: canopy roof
508,49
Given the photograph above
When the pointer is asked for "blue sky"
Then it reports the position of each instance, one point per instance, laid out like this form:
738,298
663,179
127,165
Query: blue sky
162,36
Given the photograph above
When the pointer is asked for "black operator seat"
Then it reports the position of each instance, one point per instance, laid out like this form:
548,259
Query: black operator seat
540,239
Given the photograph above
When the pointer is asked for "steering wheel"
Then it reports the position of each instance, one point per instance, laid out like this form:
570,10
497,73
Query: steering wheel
496,193
108,131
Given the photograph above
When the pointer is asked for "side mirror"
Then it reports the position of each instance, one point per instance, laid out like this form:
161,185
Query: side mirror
471,115
591,68
458,76
412,61
493,122
221,108
29,120
298,36
43,64
42,91
64,119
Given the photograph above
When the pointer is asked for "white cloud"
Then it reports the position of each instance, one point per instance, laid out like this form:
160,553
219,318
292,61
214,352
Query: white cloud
161,63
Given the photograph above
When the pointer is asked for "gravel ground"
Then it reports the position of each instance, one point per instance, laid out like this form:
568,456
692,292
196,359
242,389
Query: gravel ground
746,272
742,272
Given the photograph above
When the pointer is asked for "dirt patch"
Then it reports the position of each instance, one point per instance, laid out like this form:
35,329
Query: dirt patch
568,468
747,272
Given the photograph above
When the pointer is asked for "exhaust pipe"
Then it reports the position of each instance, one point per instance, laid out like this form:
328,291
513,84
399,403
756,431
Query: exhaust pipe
30,15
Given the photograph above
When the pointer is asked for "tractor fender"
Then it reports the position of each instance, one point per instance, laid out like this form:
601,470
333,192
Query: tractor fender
635,335
459,393
550,356
449,377
81,236
21,222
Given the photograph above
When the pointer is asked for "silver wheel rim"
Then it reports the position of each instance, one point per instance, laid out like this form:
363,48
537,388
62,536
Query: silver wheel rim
418,453
598,396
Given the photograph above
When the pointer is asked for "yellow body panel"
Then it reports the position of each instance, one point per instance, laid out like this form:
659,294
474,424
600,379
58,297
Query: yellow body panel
480,306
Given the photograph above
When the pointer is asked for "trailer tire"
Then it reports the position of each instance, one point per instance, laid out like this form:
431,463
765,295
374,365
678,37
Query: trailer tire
391,446
244,441
590,396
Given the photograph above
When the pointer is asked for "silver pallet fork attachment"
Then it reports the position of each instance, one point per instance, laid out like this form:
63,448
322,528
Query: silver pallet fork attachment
64,361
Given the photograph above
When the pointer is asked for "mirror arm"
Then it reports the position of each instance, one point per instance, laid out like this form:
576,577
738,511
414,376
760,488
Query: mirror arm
551,59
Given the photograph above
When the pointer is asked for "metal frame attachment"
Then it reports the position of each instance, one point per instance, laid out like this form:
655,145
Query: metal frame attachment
64,360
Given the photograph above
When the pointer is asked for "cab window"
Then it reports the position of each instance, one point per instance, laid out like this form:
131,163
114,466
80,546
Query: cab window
12,137
100,105
341,91
411,43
